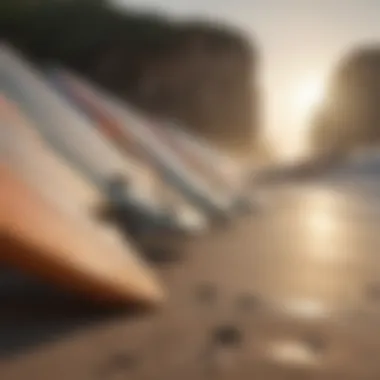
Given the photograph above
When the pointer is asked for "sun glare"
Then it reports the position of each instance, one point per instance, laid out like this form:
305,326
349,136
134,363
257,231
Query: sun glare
305,97
308,95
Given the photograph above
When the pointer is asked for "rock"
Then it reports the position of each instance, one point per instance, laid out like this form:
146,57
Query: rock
198,73
350,116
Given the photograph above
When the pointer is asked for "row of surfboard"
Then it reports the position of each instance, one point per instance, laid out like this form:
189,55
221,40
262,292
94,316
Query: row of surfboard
70,151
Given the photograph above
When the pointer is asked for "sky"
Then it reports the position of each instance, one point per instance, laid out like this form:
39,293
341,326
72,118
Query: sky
300,42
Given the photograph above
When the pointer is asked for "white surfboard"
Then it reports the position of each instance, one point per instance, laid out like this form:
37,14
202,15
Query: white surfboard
73,137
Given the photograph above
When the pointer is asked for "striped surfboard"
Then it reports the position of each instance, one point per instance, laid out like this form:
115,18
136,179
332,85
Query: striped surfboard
74,138
79,95
136,131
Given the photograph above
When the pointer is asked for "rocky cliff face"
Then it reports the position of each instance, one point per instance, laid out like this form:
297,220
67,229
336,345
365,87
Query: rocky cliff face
199,74
350,117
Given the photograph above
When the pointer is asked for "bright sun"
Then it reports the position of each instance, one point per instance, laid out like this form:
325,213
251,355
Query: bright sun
308,95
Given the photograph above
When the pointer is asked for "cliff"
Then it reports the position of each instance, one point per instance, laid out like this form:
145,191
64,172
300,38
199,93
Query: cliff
198,73
350,116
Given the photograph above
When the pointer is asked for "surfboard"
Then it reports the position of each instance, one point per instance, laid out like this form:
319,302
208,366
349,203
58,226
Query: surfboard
80,96
47,225
135,130
73,137
223,172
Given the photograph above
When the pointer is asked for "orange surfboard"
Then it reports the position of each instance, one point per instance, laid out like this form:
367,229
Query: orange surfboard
47,225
